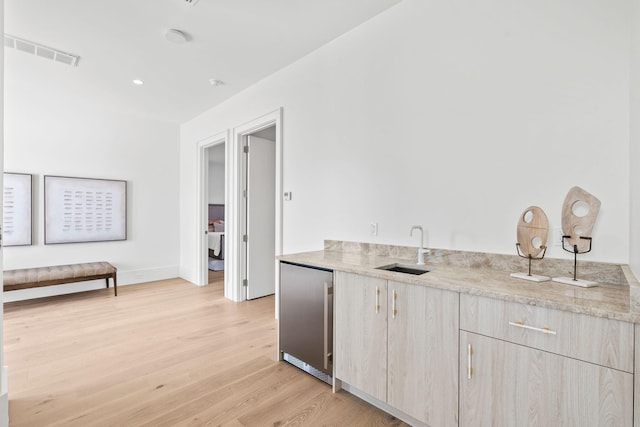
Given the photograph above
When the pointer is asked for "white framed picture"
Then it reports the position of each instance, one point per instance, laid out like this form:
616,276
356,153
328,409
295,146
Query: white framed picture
84,210
17,209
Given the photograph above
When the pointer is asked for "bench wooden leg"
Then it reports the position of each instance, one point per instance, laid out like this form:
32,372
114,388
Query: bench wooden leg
115,285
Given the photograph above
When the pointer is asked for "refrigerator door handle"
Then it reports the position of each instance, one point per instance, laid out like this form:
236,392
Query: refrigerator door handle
328,290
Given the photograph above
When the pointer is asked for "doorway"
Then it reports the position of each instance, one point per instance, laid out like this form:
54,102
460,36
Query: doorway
262,132
235,254
216,219
212,208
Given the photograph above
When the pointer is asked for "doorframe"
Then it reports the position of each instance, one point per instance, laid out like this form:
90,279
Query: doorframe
235,245
202,212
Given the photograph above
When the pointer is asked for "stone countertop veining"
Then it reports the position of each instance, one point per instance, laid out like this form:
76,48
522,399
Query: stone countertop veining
605,300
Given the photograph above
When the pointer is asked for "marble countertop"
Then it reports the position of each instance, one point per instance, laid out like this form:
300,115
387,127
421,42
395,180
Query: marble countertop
605,300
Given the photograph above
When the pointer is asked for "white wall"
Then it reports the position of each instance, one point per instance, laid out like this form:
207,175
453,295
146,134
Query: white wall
216,174
4,392
453,115
52,130
634,151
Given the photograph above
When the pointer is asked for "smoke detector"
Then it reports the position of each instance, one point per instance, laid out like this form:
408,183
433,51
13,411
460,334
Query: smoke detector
40,50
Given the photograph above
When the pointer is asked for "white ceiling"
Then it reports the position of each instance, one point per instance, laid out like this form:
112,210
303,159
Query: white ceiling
237,41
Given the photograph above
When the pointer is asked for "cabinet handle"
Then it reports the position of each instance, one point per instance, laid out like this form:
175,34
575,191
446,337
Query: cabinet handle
328,322
393,305
532,328
469,368
377,299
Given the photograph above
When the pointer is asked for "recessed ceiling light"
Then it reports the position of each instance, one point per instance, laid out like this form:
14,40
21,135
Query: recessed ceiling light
216,82
138,82
175,36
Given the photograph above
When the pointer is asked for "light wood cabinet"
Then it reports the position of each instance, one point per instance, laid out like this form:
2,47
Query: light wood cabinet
506,384
398,343
360,329
422,377
446,359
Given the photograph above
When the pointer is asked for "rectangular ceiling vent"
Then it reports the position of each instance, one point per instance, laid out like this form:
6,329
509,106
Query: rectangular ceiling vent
40,50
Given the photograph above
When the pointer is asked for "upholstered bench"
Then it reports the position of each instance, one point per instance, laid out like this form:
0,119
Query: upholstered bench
24,278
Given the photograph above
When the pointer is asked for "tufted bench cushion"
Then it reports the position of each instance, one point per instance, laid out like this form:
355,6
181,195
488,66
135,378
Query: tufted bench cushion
24,278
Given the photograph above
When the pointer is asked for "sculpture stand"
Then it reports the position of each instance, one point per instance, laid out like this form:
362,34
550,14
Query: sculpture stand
575,281
528,275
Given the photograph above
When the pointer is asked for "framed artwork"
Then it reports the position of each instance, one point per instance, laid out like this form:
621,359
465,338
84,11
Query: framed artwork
84,210
17,209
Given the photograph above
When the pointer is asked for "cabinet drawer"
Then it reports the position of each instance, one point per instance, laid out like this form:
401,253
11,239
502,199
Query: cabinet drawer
592,339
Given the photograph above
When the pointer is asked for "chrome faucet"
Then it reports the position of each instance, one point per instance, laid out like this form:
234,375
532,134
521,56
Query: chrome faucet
420,250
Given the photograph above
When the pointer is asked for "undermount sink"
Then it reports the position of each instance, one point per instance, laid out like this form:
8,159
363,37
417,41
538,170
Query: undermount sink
405,268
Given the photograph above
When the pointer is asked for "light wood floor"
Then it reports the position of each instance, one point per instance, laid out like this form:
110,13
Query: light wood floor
164,353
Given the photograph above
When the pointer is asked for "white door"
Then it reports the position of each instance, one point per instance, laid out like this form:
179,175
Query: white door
261,217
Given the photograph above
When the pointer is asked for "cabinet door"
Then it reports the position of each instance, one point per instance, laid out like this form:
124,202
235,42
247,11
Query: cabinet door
423,353
360,328
505,384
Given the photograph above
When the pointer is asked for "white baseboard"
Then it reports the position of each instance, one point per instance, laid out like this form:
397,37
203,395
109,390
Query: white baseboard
4,397
185,273
125,278
147,275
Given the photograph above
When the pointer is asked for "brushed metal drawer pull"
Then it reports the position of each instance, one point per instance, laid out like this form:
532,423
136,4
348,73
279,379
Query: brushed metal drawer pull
393,306
532,328
377,299
469,368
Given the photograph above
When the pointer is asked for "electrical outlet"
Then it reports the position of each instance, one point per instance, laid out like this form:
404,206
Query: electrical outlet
557,236
373,229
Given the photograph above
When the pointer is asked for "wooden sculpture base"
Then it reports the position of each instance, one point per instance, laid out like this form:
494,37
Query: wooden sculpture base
577,282
531,278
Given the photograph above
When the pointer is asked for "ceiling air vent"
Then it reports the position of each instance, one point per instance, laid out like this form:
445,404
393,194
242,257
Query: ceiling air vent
40,50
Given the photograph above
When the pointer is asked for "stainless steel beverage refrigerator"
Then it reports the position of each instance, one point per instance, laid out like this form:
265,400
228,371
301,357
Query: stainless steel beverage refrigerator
306,318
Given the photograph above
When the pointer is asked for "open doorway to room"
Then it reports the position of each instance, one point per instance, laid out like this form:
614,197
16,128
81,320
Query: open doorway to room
254,212
212,210
215,213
